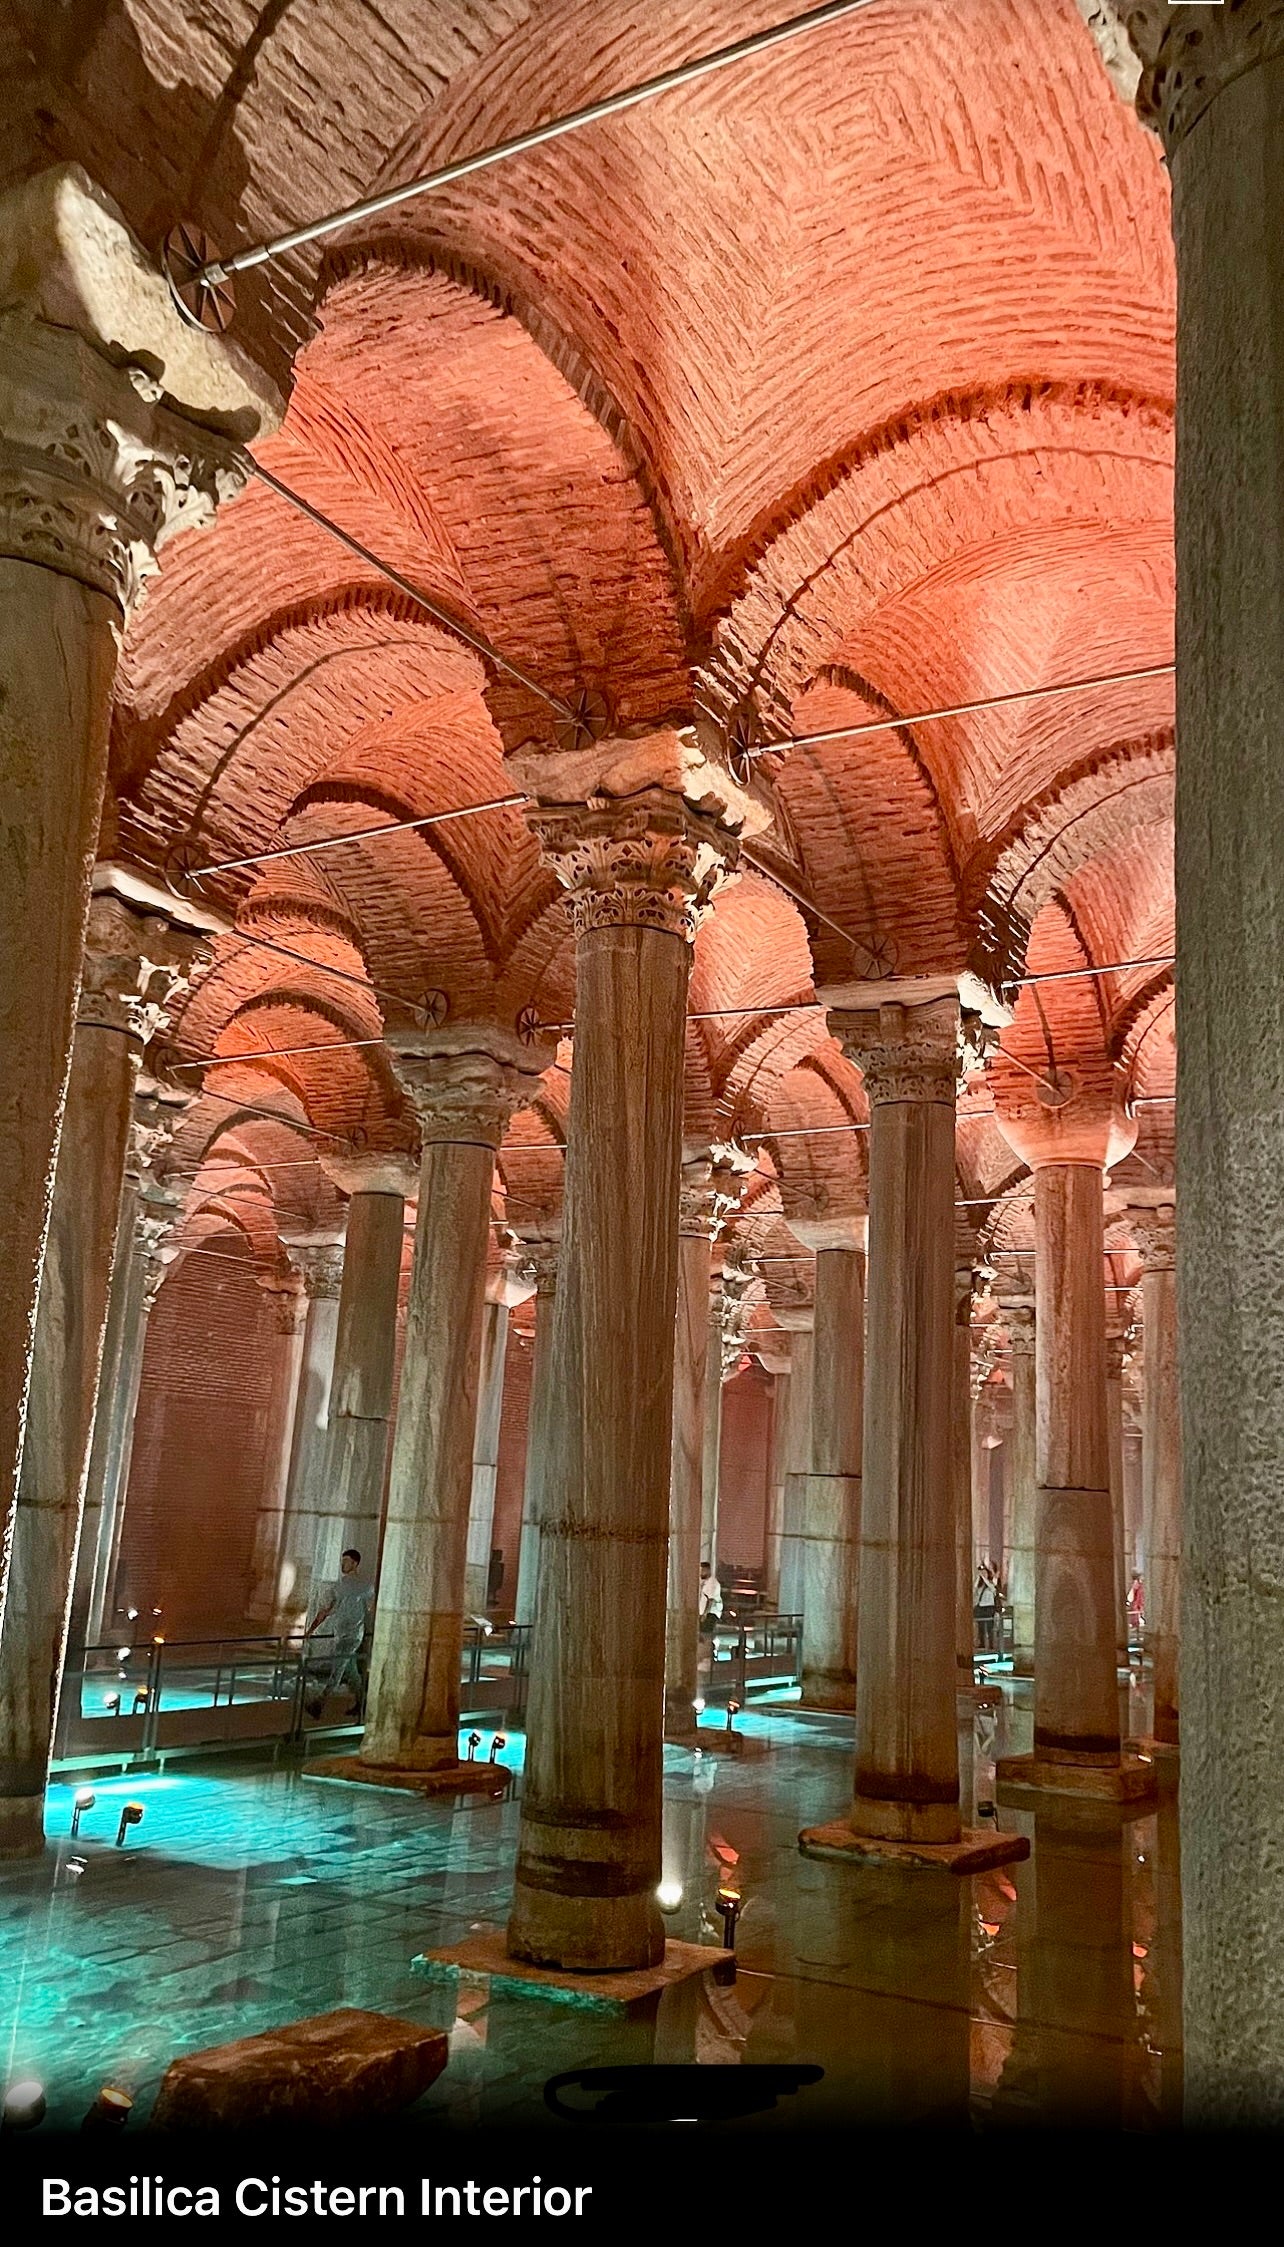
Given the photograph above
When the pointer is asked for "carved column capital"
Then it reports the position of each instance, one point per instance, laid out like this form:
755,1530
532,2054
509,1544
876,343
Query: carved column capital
712,1184
645,861
465,1081
289,1303
318,1259
384,1170
909,1053
137,963
159,1215
1200,50
1018,1317
1155,1232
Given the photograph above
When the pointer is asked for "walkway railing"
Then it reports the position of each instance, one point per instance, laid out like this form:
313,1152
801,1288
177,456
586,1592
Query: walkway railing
136,1703
753,1654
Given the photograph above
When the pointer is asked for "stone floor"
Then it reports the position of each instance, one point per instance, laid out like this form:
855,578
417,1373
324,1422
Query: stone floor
249,1897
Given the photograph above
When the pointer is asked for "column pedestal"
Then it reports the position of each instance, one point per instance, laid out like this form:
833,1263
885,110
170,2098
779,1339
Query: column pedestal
538,1427
1020,1540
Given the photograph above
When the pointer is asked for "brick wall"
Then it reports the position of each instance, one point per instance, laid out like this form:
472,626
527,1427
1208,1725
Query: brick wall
206,1441
746,1458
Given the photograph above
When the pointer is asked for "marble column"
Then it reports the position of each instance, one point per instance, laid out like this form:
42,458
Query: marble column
771,1348
465,1082
640,872
289,1304
342,1505
906,1794
1116,1353
1155,1233
827,1497
961,1474
136,962
711,1441
490,1413
1018,1312
796,1442
115,418
544,1258
1216,93
318,1258
693,1375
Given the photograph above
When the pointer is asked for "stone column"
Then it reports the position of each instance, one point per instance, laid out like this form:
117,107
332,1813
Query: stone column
343,1505
159,1215
465,1082
906,1794
544,1258
1069,1130
116,419
1155,1234
640,872
1116,1352
318,1258
1217,95
961,1472
797,1455
135,962
1018,1312
826,1525
512,1284
711,1441
772,1352
693,1377
290,1317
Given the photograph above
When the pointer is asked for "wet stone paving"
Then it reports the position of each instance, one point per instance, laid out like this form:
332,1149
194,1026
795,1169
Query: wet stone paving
248,1897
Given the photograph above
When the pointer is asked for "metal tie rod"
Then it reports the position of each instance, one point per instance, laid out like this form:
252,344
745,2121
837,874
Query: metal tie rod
242,261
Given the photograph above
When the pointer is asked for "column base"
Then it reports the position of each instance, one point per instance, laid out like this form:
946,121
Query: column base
975,1851
448,1778
1130,1780
22,1826
835,1696
486,1958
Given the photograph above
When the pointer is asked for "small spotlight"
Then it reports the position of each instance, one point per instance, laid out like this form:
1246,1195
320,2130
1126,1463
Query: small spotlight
698,1705
669,1895
487,1630
158,1641
131,1614
986,1810
500,1741
733,1711
474,1742
156,1611
24,2105
729,1906
140,1700
131,1815
84,1799
111,2109
111,1702
123,1653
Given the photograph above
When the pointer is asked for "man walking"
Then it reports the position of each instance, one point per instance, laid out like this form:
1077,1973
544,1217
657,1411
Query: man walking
346,1607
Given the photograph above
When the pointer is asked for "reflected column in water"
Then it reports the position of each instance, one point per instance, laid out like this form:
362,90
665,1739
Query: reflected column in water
1076,2052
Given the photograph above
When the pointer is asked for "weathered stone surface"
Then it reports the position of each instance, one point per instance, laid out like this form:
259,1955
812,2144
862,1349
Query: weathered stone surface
444,1778
485,1957
977,1849
327,2073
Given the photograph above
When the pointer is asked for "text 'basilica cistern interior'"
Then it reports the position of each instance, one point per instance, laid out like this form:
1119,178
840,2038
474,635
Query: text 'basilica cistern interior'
642,1065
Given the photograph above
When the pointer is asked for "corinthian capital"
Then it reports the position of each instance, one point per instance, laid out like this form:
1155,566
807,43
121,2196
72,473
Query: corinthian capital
1155,1231
909,1053
1193,53
318,1259
647,861
466,1080
120,426
138,961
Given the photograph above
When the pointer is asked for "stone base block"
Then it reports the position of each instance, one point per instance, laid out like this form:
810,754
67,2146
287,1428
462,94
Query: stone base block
22,1825
448,1778
977,1850
1017,1777
485,1958
337,2068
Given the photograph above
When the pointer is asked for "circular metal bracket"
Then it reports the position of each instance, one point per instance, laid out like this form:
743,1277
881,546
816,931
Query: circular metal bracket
434,1006
589,720
180,864
744,740
876,960
529,1025
1057,1089
203,302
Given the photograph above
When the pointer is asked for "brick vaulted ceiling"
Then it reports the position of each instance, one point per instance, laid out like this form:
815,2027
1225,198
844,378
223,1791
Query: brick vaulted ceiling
838,383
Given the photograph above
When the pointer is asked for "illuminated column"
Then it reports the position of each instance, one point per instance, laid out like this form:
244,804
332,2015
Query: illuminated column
465,1082
544,1258
1018,1312
1156,1235
711,1442
1116,1352
113,414
342,1505
505,1289
906,1793
797,1454
961,1466
289,1302
137,959
640,872
319,1261
825,1529
1067,1136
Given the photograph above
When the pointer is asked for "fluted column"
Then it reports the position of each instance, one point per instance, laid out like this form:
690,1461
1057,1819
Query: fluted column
1018,1312
907,1773
1156,1235
465,1082
135,962
318,1258
341,1505
827,1496
639,872
110,411
544,1259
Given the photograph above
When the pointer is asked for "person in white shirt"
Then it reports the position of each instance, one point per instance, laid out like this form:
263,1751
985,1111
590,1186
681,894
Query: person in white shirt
346,1607
710,1600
